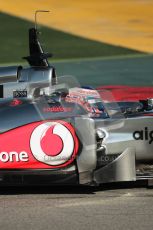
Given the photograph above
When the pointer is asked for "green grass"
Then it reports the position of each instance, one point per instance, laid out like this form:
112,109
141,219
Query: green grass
14,42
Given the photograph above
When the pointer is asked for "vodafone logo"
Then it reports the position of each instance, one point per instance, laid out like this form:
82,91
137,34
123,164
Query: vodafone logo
54,143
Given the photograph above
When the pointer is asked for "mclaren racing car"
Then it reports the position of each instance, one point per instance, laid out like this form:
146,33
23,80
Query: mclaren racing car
52,131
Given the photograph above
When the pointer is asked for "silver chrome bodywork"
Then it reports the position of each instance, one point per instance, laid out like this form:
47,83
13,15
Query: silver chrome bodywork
120,138
9,74
110,146
117,141
121,169
30,79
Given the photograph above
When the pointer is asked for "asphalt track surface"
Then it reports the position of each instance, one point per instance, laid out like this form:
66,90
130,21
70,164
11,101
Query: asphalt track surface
136,70
54,208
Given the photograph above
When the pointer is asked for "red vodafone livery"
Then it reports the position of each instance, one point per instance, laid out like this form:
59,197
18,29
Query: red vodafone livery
39,145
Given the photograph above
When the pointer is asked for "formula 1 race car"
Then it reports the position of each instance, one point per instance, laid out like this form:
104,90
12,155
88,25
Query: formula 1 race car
54,132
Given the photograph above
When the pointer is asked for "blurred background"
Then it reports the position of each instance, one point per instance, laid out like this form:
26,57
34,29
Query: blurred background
101,42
